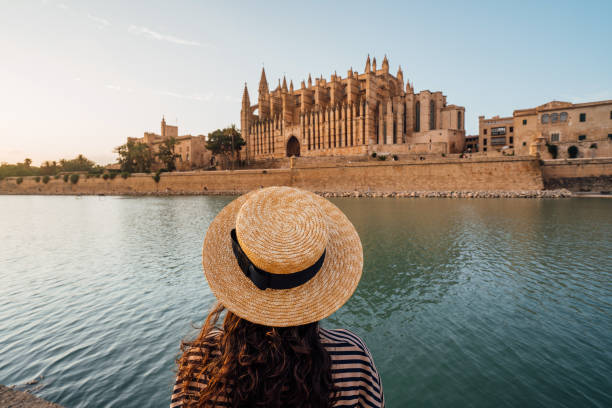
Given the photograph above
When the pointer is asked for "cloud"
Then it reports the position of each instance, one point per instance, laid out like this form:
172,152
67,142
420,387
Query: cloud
207,97
63,6
138,30
113,87
102,22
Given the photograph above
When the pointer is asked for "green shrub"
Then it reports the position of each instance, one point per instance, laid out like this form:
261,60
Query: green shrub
373,155
74,178
105,176
382,157
572,152
19,180
156,177
125,174
56,176
46,179
98,175
112,175
593,146
37,179
65,178
443,154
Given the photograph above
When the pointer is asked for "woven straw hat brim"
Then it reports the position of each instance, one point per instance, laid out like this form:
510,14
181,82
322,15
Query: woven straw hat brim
316,299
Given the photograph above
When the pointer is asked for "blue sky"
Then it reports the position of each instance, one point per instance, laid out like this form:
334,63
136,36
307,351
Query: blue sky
81,76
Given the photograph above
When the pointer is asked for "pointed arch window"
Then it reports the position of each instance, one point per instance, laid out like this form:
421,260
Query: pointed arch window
432,114
459,120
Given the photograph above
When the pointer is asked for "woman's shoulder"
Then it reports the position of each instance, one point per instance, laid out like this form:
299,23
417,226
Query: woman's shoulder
336,337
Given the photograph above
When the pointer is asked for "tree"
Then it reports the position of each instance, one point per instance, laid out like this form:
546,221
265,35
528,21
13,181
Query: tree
49,168
134,157
225,142
27,162
166,153
80,163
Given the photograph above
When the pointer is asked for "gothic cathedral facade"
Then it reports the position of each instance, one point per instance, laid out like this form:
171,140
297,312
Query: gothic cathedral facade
352,116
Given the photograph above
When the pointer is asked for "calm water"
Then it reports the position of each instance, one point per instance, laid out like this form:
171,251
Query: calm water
463,303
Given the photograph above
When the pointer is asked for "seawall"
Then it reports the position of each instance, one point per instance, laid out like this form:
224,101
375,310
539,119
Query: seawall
444,174
578,174
19,399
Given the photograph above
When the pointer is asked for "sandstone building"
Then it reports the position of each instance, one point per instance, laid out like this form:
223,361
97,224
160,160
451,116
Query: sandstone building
587,126
363,113
192,149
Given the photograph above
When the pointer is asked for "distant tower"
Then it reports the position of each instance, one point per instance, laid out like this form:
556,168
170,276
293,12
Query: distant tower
400,75
245,116
263,97
163,127
367,66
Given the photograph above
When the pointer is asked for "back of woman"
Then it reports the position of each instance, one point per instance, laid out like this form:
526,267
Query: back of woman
278,260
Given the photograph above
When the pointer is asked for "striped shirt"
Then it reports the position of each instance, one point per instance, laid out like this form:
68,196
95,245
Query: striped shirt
353,373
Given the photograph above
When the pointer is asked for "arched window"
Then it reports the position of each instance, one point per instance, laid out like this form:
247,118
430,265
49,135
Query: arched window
545,118
563,116
459,120
432,114
417,117
554,118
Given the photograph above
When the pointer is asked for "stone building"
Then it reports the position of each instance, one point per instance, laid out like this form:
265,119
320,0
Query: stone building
192,149
363,113
587,126
471,143
495,134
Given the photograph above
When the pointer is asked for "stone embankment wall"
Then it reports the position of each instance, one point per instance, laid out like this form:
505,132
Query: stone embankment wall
444,174
19,399
578,174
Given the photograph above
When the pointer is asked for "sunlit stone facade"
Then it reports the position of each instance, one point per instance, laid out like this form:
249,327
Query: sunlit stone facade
362,113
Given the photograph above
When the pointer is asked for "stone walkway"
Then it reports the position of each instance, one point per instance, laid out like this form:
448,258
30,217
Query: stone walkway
10,398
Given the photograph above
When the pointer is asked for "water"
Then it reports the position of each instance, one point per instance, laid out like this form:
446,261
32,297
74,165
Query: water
463,303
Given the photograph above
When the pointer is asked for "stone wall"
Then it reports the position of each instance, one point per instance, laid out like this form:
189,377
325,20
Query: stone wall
578,174
477,174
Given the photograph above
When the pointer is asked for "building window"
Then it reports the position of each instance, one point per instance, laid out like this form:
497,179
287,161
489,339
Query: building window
485,131
563,117
554,118
581,137
484,149
459,120
545,118
524,143
511,140
484,142
496,131
498,141
524,122
417,117
432,115
511,129
554,137
583,117
610,114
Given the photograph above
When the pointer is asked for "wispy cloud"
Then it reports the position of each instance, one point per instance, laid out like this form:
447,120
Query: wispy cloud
113,87
102,22
595,96
139,30
207,97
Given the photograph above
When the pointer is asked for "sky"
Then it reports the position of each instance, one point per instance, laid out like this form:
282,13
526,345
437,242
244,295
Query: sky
79,77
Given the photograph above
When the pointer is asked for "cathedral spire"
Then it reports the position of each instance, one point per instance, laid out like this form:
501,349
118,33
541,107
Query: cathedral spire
367,67
263,82
291,86
374,64
309,81
385,64
400,74
284,84
246,102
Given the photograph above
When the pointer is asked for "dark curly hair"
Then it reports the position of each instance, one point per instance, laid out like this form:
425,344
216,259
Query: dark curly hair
250,365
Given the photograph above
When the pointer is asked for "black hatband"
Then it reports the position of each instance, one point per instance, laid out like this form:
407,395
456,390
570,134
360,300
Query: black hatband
264,280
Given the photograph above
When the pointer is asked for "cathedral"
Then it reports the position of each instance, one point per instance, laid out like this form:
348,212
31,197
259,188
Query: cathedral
354,116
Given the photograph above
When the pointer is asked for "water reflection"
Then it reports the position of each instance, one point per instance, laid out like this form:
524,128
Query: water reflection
463,302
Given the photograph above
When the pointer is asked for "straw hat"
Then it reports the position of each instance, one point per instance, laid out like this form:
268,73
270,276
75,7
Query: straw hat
282,256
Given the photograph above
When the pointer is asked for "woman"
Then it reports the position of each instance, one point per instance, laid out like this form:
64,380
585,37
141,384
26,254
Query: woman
278,260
